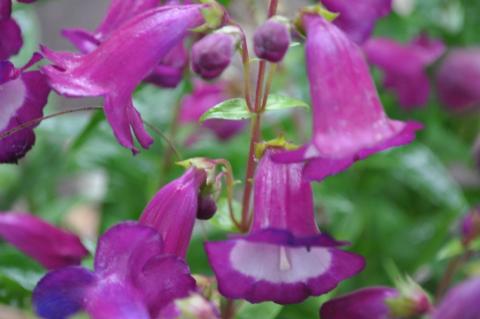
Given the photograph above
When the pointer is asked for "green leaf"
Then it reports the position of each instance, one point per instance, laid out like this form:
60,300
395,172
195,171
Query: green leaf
265,310
236,109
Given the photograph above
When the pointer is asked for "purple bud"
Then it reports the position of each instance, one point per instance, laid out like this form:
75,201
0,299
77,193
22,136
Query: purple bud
206,207
213,54
476,152
271,40
470,225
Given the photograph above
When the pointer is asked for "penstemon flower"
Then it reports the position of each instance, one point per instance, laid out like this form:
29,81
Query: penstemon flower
120,63
460,302
272,39
284,258
405,66
346,127
10,34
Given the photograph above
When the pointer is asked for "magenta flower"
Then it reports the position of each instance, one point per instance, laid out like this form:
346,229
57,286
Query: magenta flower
458,79
204,97
346,127
358,18
10,34
169,73
133,278
461,302
131,52
470,225
272,39
173,210
50,246
23,95
405,66
284,258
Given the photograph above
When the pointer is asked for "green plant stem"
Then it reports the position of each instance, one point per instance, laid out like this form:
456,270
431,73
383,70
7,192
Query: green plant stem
168,159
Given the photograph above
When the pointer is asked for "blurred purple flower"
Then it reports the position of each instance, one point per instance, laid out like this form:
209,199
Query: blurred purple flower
470,225
10,34
23,96
358,18
133,278
50,246
458,79
405,66
120,63
346,127
272,40
284,258
461,302
204,97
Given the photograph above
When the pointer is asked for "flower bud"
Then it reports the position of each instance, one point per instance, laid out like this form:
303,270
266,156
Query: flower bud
206,207
272,39
470,225
213,54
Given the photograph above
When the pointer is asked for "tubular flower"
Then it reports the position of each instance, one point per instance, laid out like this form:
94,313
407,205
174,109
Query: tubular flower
131,52
11,36
461,302
358,18
458,79
173,210
284,258
405,66
204,97
50,246
346,127
132,278
23,96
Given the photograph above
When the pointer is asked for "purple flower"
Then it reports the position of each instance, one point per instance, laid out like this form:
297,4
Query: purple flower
50,246
173,210
169,73
358,18
346,127
458,79
130,53
23,95
405,66
272,39
212,54
11,36
195,306
284,258
461,302
204,97
133,277
470,225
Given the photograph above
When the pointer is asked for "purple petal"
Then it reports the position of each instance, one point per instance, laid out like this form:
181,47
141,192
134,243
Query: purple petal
259,271
11,38
460,302
50,246
173,210
369,303
347,127
83,40
5,9
169,72
358,18
63,292
131,52
458,79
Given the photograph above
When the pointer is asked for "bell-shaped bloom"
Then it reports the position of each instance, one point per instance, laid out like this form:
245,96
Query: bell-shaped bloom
460,302
50,246
173,210
378,303
132,278
358,18
405,66
10,34
284,258
23,95
120,63
204,97
470,225
458,79
272,39
349,122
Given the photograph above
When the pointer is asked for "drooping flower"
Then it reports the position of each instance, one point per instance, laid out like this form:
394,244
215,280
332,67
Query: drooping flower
470,225
377,303
204,97
272,39
121,62
23,96
349,123
284,258
358,18
405,66
458,79
133,277
10,34
460,302
50,246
